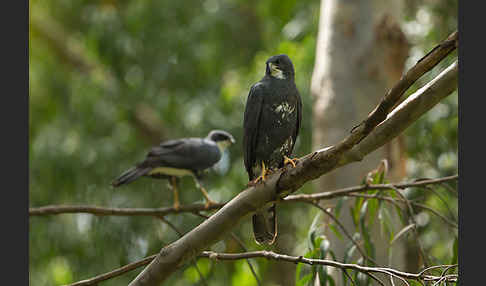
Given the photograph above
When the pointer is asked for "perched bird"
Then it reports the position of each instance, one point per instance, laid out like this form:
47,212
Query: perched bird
180,157
272,119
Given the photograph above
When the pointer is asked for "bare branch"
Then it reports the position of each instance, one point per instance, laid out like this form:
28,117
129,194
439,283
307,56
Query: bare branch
362,188
294,259
281,257
196,208
104,211
114,273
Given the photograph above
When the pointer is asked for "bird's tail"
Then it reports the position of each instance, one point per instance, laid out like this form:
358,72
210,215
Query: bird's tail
129,176
265,225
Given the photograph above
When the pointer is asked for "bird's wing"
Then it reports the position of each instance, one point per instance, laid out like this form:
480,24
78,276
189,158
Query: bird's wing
166,148
299,119
186,153
251,123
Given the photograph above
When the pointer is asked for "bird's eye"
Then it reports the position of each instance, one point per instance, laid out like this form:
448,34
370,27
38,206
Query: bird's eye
277,61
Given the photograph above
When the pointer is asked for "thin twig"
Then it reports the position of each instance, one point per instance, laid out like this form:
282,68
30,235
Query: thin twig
351,279
411,214
443,201
301,259
281,257
117,272
362,188
435,267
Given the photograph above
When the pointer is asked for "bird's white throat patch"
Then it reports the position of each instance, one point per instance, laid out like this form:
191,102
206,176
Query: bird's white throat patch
222,145
276,73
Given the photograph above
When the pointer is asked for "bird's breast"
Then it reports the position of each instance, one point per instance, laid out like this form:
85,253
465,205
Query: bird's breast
170,171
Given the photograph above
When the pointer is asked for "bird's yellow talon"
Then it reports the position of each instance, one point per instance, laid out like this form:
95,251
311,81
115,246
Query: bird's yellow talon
287,160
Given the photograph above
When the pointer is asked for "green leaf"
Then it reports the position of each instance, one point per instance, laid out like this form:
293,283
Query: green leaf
373,206
363,211
414,283
385,223
349,253
369,247
356,210
304,280
335,231
311,235
402,232
323,277
327,281
338,207
318,241
297,271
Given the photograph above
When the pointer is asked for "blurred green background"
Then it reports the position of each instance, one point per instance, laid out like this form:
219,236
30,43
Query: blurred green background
109,79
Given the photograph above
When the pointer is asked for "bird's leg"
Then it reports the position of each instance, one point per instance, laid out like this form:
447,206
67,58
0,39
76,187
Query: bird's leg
262,176
287,160
209,202
173,182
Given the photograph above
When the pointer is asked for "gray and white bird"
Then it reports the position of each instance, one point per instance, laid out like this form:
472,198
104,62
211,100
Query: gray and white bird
180,157
272,120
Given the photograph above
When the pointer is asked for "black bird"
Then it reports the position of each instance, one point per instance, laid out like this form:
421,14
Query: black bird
180,157
272,119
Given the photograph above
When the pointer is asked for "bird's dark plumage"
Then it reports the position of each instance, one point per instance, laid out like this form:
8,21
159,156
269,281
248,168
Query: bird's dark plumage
272,120
179,157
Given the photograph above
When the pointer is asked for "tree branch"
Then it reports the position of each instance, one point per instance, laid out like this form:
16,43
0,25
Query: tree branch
117,272
365,269
282,257
311,166
362,188
196,208
104,211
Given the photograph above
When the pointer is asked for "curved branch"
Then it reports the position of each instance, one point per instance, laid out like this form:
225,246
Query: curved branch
312,166
365,269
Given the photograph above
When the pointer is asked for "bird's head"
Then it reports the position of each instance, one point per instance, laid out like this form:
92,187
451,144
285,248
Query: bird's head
280,66
222,138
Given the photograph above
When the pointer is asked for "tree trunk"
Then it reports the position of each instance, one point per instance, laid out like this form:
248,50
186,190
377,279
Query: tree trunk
361,52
